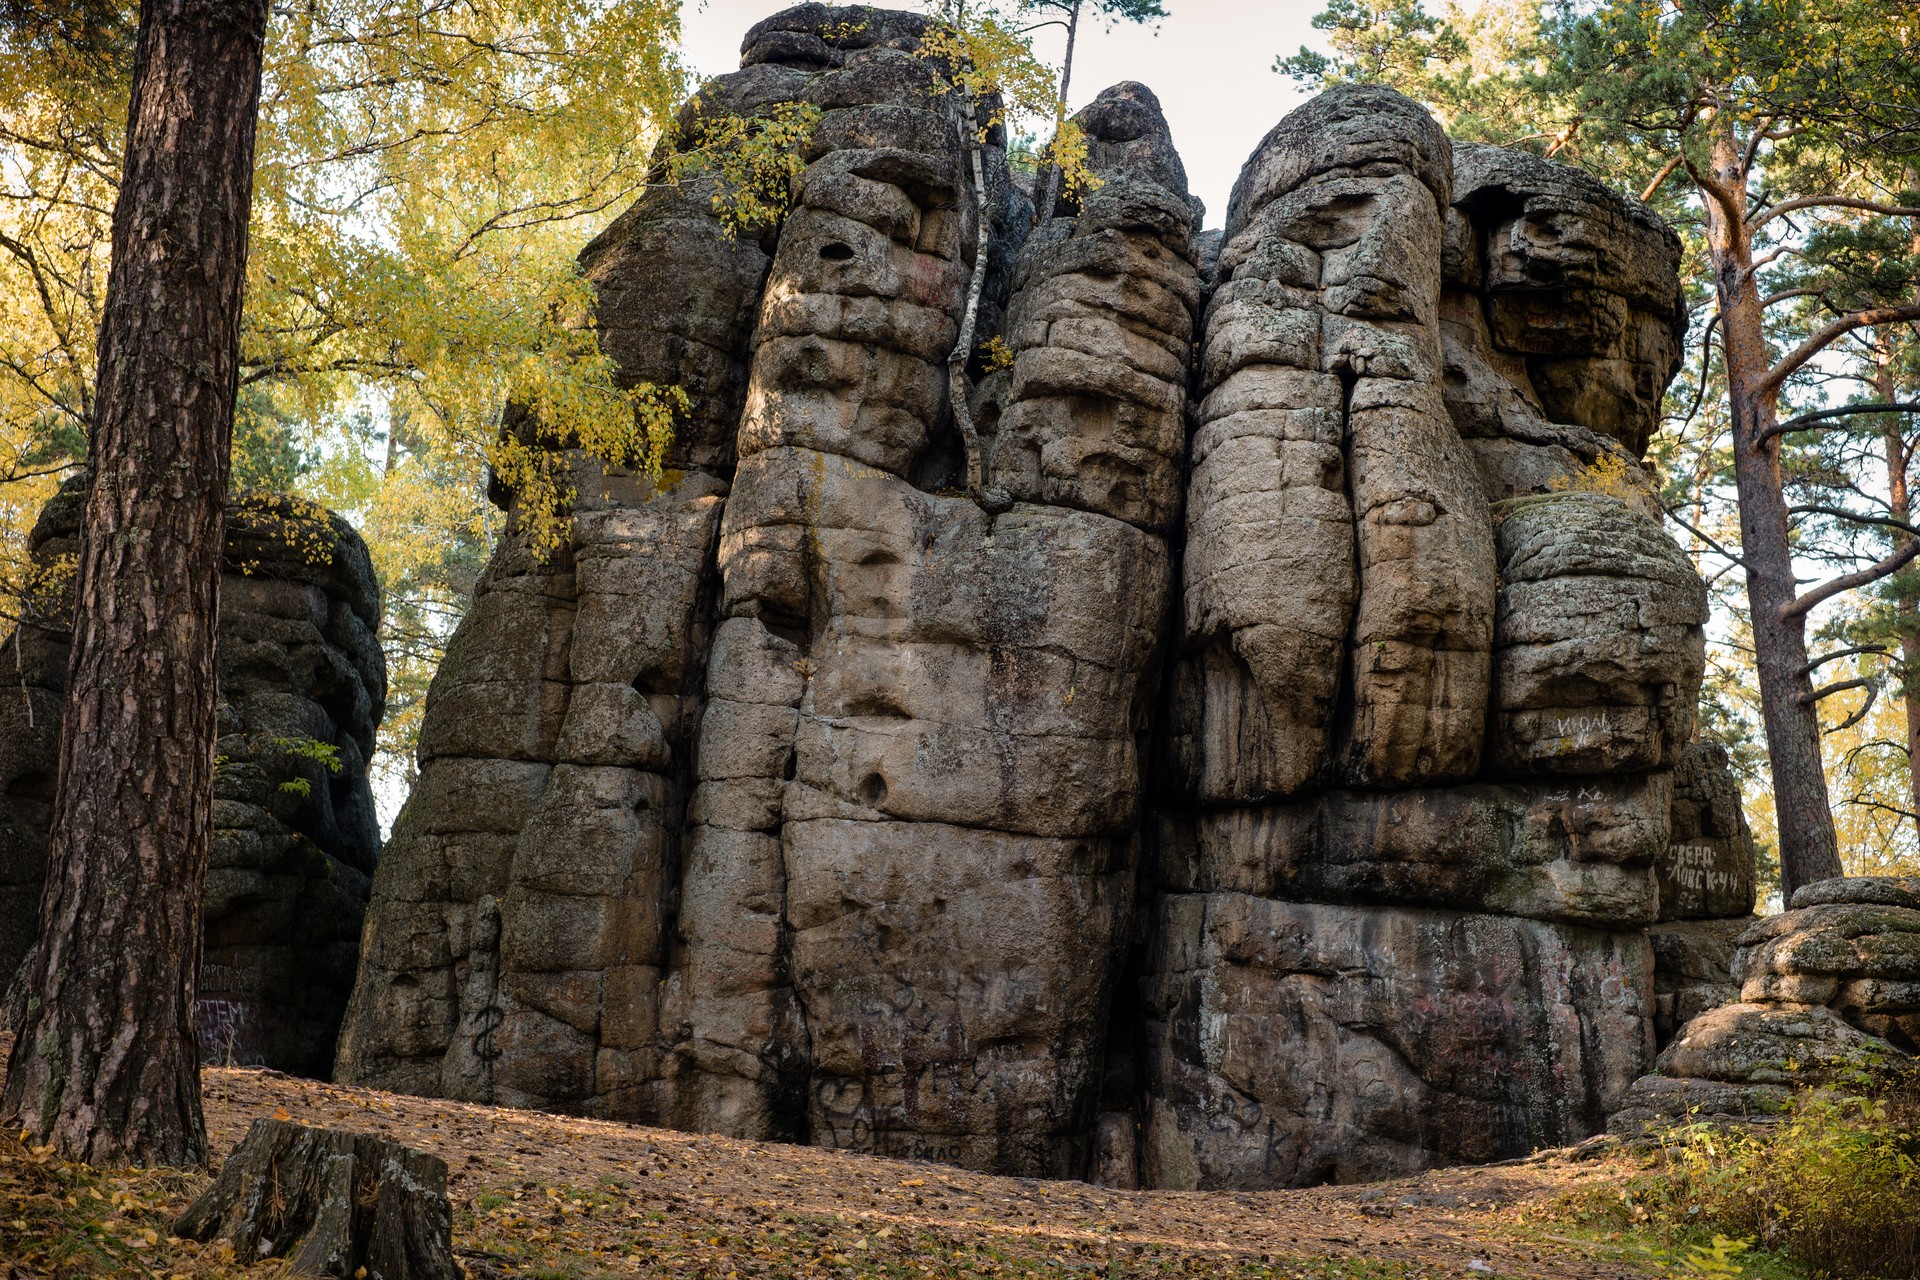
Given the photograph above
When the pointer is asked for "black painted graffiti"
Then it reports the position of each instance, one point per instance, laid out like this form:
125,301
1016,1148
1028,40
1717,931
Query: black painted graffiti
486,1022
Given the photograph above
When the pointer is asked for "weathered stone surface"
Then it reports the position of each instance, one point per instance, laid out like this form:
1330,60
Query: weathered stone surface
1707,870
1579,853
804,798
294,842
1600,640
1829,994
1692,969
1093,412
1337,527
1861,958
1579,306
1292,1044
537,855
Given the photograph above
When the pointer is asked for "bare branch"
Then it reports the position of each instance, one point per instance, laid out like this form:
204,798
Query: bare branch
1838,654
1802,605
1832,202
1666,171
1785,294
1824,337
1673,514
1838,686
1805,421
1861,712
1857,517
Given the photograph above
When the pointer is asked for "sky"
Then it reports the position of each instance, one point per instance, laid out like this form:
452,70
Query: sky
1210,62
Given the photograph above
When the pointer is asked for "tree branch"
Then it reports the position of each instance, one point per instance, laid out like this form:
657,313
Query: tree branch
1806,420
1674,515
1823,337
1841,513
1666,171
1832,202
1802,605
1838,686
1873,695
1838,654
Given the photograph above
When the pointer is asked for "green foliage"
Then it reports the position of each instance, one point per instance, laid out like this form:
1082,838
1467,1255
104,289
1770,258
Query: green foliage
1375,41
753,158
301,748
1836,1186
1111,10
426,173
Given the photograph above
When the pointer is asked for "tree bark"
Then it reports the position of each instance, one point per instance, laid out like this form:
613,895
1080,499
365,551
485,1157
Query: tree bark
1906,602
106,1065
335,1203
1050,183
959,385
1809,847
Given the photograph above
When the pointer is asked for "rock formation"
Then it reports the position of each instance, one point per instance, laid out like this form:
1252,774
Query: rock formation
1829,994
295,842
1279,788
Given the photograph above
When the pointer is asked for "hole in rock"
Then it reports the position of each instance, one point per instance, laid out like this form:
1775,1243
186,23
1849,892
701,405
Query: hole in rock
836,252
873,790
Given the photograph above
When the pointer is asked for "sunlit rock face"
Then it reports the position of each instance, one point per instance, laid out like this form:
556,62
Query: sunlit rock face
302,678
1270,780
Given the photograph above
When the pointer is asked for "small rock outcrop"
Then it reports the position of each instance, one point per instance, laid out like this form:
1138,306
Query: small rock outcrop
295,840
1828,994
1279,785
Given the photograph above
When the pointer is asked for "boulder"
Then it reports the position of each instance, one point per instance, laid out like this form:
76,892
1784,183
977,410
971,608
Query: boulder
1829,995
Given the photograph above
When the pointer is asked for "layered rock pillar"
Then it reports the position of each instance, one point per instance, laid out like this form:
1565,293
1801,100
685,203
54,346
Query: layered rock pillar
1276,786
295,838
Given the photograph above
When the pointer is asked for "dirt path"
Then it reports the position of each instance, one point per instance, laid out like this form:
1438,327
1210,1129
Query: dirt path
549,1195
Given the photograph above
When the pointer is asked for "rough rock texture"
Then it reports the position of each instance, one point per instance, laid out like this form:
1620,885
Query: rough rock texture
1457,721
1707,871
1829,993
294,843
1563,317
831,793
1300,1043
1278,788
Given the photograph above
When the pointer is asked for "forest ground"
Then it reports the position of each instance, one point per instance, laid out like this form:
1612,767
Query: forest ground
561,1198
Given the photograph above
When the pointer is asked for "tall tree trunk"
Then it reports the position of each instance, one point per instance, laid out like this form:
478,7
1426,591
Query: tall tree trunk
106,1065
1809,847
1906,601
1050,184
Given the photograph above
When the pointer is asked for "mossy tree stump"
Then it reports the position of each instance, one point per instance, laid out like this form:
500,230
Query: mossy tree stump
332,1202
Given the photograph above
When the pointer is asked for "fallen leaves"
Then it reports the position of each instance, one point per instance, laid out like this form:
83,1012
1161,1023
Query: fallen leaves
538,1195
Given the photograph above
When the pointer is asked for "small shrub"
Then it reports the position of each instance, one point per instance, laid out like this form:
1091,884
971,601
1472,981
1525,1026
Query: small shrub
1836,1185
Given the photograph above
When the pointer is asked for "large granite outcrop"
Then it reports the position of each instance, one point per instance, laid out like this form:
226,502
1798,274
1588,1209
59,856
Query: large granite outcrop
1272,778
295,839
1828,994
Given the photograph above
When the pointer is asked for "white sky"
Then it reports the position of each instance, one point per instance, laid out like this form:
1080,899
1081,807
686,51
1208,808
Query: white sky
1210,62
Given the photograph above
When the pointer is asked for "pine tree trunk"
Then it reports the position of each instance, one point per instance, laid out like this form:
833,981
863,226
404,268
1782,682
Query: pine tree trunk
1906,602
1809,847
106,1063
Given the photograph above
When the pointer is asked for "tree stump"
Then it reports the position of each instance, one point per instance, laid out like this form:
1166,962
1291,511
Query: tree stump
333,1202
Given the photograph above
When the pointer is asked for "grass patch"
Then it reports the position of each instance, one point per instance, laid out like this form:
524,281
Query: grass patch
1831,1191
63,1219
